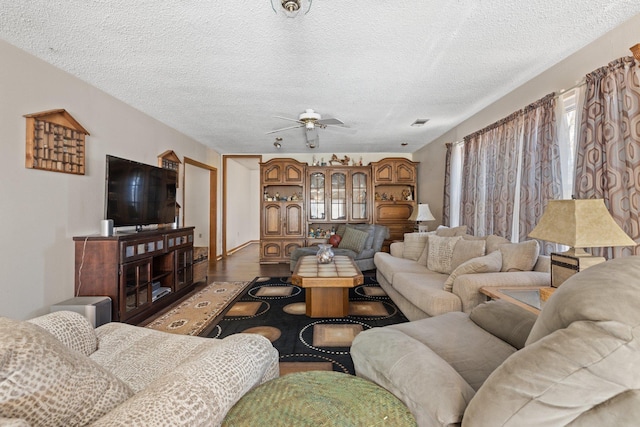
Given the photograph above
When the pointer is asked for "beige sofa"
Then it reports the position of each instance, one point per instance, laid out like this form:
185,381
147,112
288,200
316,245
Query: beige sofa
57,370
575,364
429,274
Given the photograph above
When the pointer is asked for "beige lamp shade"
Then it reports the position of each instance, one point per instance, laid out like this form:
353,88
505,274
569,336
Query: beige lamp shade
423,213
580,223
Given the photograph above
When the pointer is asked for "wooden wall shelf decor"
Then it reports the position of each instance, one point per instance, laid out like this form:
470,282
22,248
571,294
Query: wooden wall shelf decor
170,160
55,142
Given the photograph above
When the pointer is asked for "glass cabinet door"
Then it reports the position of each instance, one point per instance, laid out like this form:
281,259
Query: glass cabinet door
338,196
359,196
136,277
316,196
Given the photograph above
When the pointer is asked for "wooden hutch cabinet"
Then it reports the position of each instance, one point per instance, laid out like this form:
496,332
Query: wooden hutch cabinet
297,198
338,195
141,272
283,226
395,187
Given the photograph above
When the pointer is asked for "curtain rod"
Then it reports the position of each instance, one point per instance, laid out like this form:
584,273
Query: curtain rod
581,82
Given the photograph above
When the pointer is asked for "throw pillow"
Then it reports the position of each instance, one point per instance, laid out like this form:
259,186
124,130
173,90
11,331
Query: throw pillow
45,383
422,260
491,263
440,253
353,239
519,256
494,242
367,228
340,230
334,240
465,250
451,232
414,244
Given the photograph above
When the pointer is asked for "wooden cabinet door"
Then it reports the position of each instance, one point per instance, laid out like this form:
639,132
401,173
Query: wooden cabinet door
383,173
316,195
293,174
405,172
135,287
359,197
294,225
272,173
272,220
270,250
183,268
290,246
338,196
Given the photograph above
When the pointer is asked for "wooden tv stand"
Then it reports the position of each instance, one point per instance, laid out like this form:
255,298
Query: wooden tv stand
128,266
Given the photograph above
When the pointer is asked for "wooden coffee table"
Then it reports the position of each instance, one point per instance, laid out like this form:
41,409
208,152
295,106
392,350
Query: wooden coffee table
327,285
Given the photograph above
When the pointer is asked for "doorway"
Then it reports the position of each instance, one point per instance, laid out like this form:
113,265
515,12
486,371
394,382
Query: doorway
241,197
199,210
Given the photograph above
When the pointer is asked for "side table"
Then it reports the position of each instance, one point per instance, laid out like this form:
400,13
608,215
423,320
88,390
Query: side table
530,298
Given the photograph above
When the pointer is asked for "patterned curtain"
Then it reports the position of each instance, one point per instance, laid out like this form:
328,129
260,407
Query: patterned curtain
489,178
446,203
541,177
608,158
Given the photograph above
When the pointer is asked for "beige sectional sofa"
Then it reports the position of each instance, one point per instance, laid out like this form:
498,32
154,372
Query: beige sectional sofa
429,274
575,364
57,370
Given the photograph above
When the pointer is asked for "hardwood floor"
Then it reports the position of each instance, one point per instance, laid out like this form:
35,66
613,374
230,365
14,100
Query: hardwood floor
244,265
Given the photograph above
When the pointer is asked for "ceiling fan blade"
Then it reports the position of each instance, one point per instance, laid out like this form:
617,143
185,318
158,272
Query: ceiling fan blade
342,129
287,118
330,121
283,129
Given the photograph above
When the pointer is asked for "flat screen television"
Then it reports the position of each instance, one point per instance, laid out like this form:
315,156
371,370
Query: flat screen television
138,194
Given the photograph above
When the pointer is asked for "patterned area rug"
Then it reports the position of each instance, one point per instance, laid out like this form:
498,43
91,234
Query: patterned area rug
275,308
196,314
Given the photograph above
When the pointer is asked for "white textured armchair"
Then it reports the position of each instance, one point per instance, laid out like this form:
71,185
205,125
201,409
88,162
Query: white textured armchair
57,370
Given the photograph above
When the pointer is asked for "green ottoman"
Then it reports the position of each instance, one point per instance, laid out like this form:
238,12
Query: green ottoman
319,398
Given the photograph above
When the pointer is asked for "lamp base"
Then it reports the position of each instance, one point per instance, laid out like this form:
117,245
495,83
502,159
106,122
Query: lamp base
566,264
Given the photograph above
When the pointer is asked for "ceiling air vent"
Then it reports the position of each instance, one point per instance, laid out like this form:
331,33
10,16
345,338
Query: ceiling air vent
419,122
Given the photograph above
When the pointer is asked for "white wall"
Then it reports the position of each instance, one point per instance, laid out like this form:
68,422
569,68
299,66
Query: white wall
42,211
563,75
243,204
195,206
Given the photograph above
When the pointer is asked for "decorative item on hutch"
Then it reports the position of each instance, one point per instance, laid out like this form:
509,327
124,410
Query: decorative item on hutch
55,142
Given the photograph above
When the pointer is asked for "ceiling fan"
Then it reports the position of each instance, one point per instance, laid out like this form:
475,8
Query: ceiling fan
311,121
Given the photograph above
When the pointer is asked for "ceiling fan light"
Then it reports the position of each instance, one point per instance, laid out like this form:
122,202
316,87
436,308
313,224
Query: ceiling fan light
310,125
291,5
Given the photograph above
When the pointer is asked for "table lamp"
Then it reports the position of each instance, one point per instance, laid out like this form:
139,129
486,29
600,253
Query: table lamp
579,224
422,214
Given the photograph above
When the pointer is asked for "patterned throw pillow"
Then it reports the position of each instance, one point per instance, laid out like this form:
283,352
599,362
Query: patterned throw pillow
353,239
45,383
414,244
440,253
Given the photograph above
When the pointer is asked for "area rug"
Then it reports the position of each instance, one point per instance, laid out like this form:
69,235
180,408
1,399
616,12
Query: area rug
275,308
199,312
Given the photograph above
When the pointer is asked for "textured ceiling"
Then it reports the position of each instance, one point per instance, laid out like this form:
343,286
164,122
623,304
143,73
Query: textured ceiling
219,71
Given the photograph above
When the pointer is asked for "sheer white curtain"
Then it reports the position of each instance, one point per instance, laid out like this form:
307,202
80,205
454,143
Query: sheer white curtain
567,116
455,182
